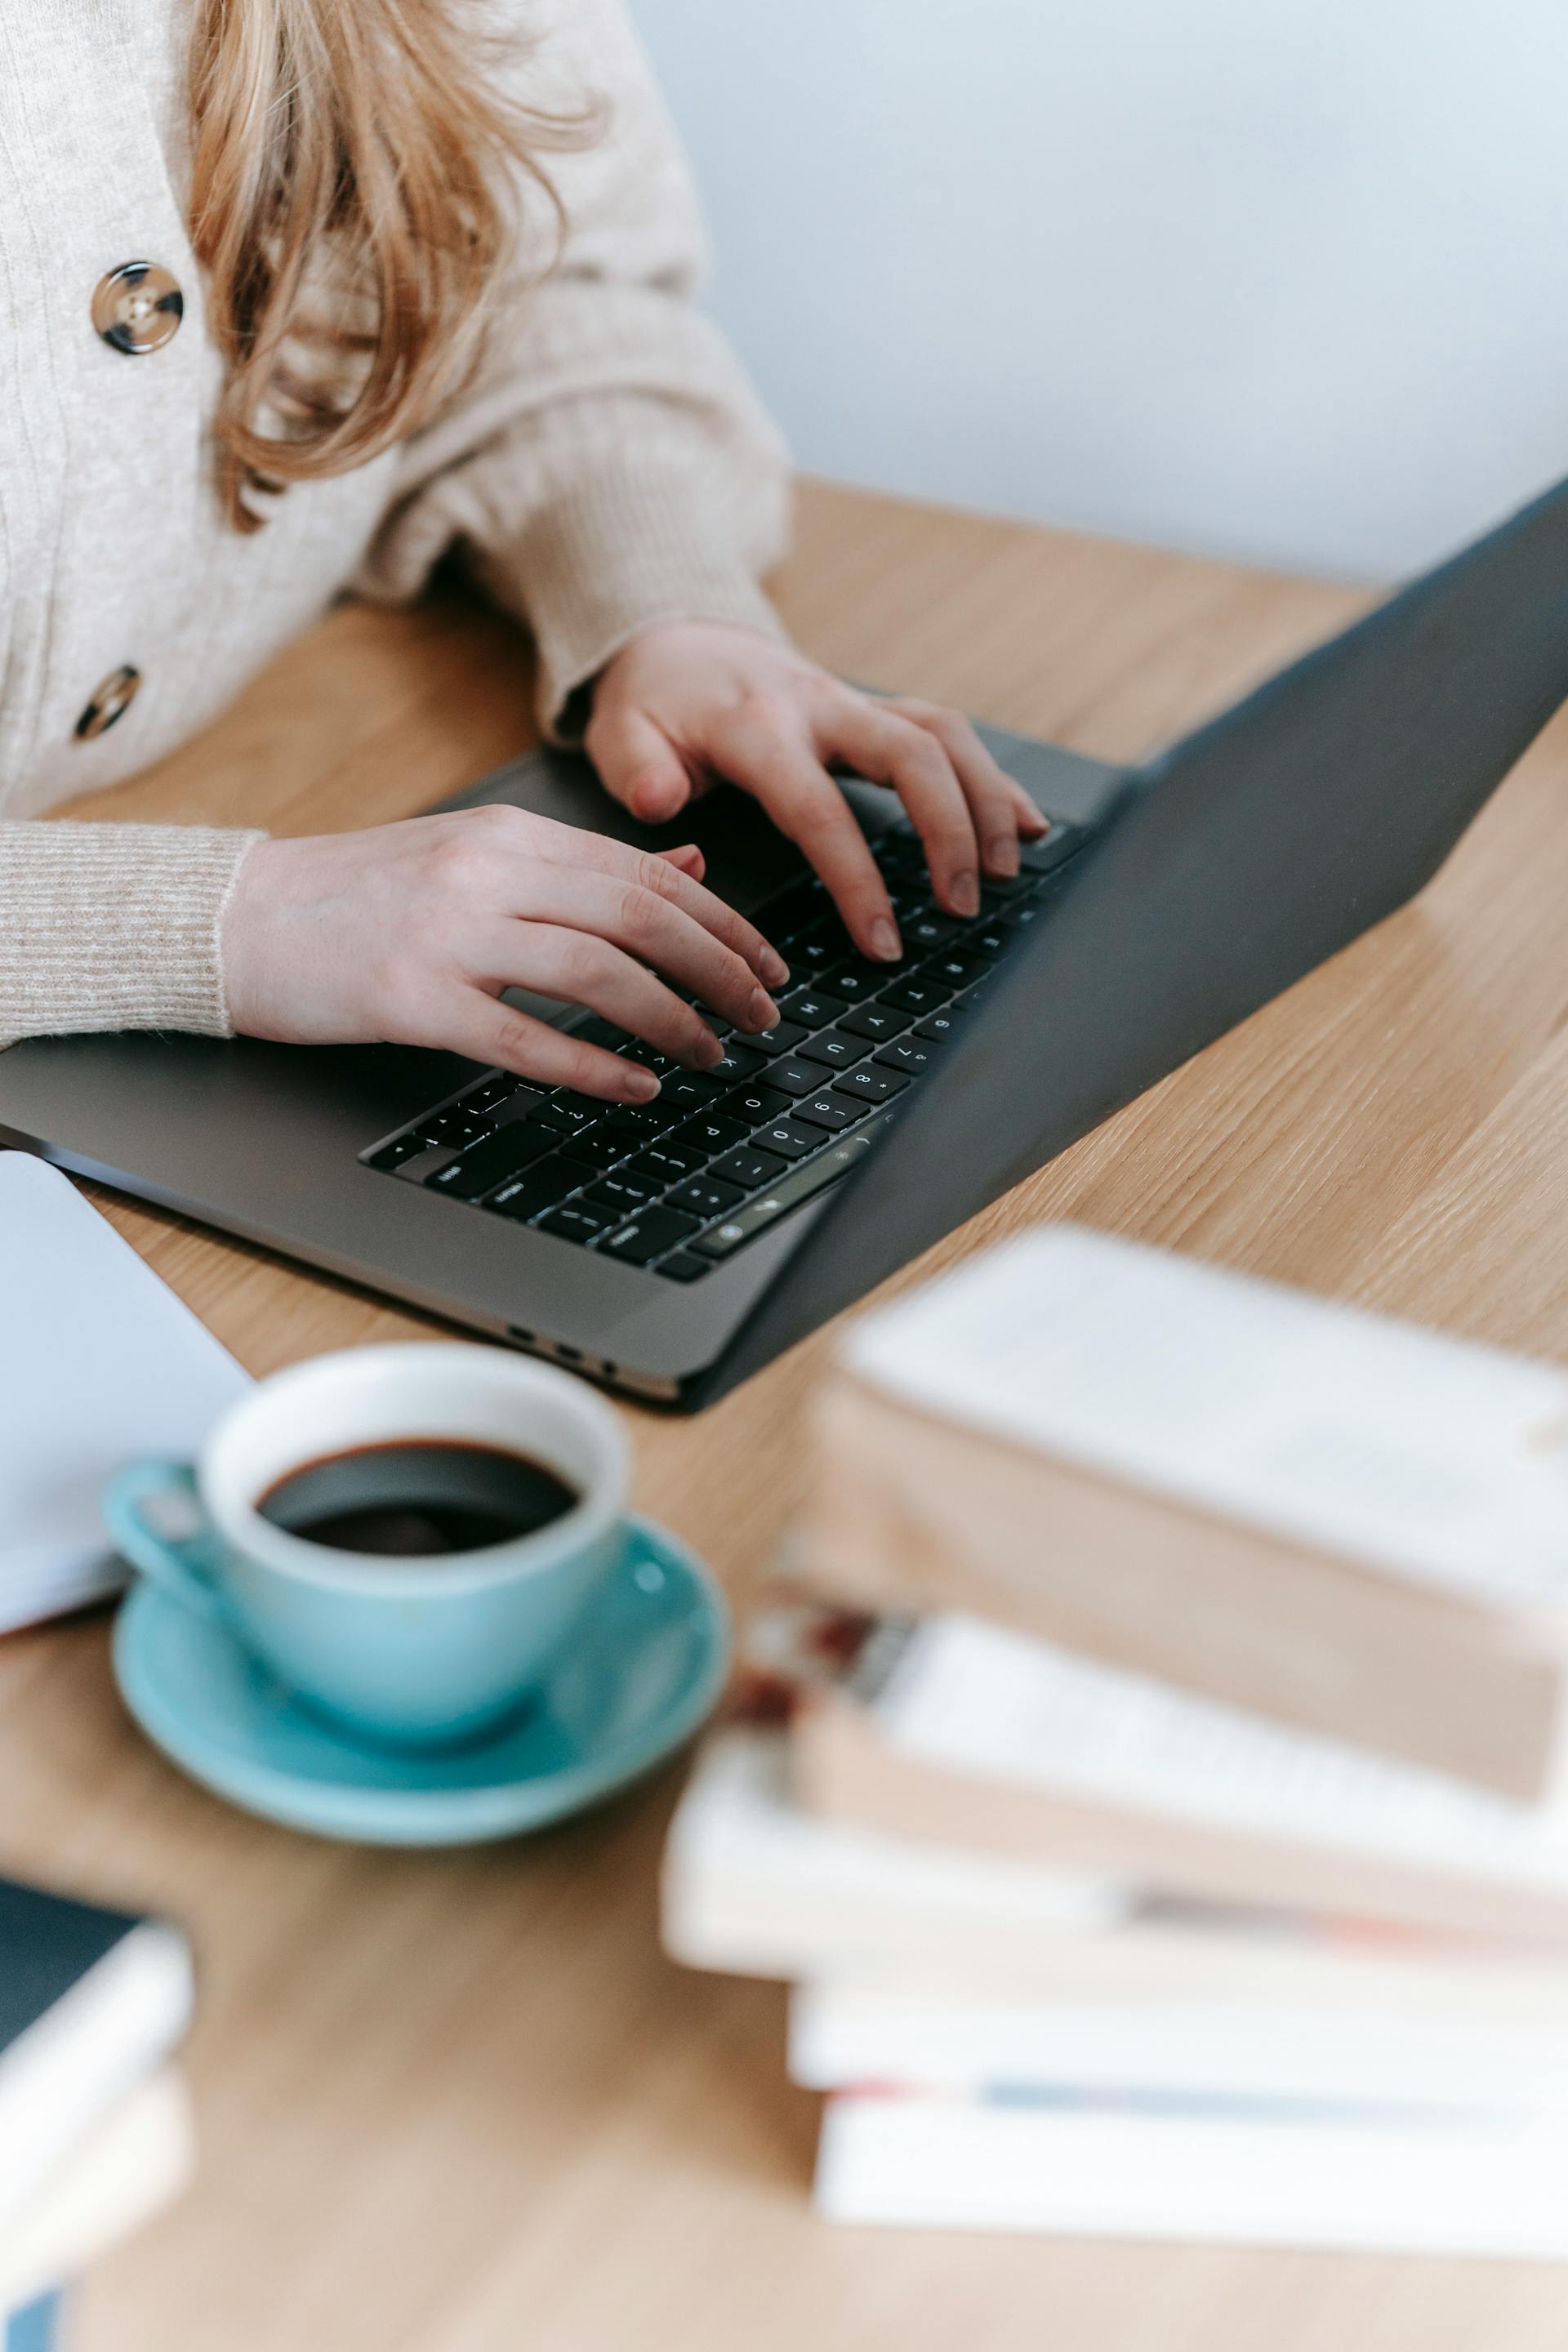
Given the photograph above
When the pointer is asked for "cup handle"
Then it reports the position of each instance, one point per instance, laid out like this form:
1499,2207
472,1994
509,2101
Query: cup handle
181,1564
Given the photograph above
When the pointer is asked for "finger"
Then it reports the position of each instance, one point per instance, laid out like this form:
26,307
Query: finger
576,967
566,850
893,750
652,926
997,804
687,859
782,772
638,765
487,1031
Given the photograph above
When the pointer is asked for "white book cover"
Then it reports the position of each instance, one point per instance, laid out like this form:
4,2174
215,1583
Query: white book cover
844,2035
754,1883
1430,1457
99,1363
972,1698
1200,2172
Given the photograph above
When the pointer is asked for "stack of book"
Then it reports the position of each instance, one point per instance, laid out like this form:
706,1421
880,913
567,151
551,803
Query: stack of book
95,2134
1154,1787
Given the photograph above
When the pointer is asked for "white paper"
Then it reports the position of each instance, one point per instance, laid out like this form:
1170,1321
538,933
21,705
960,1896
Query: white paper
1225,2178
99,1363
1433,1458
976,1699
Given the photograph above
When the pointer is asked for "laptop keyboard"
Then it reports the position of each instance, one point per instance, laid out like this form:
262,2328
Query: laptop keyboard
681,1183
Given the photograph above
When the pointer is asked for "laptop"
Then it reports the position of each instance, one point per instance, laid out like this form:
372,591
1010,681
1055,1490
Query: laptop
671,1250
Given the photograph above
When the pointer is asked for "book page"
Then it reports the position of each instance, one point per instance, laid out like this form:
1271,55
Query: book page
1439,1460
965,1695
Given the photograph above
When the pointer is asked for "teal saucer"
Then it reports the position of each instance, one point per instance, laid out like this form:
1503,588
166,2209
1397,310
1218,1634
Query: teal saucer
644,1671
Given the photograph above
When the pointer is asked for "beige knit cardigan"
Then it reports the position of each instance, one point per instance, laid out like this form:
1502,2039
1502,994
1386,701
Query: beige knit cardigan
610,468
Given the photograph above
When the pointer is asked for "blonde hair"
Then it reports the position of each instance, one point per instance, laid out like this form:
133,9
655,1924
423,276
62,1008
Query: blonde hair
358,178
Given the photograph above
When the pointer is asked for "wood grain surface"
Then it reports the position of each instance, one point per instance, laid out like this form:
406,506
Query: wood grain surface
460,2103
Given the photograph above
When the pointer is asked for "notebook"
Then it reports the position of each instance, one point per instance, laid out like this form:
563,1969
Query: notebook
99,1362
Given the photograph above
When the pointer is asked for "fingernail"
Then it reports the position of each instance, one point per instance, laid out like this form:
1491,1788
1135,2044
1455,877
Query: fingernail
641,1084
885,939
965,894
1033,824
1002,857
775,971
762,1012
709,1050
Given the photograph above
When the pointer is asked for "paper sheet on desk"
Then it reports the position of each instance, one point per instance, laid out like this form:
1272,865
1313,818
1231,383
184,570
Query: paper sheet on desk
99,1362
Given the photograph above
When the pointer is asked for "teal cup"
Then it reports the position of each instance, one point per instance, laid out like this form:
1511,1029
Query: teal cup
419,1652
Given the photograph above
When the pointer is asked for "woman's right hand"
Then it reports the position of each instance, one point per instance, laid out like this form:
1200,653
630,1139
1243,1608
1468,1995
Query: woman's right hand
408,934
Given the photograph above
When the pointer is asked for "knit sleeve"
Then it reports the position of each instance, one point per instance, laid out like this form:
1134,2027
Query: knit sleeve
114,927
611,467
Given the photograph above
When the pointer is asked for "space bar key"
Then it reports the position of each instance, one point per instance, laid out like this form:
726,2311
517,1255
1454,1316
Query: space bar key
734,1232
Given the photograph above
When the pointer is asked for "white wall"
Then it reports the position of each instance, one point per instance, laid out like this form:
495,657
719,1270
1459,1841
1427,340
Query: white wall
1282,279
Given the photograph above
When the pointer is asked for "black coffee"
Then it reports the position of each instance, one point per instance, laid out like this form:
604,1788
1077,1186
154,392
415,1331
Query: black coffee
417,1499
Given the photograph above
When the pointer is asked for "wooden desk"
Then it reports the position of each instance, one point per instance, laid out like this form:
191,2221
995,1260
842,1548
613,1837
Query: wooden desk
460,2103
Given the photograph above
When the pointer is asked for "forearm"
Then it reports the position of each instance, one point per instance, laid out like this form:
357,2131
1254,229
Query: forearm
114,927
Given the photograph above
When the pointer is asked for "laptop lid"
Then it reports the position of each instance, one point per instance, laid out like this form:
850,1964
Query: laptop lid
1226,868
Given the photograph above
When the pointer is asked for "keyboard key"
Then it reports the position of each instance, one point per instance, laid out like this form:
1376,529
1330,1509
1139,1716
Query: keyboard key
712,1131
869,1084
811,1007
599,1148
876,1021
788,1140
621,1195
957,970
542,1187
740,1061
660,1064
747,1168
835,1050
905,1054
991,938
940,1028
458,1128
426,1161
705,1197
916,993
782,1040
855,979
693,1089
801,1184
577,1222
401,1147
566,1111
793,1078
1054,849
523,1102
928,929
494,1090
604,1032
826,1112
683,1267
646,1120
484,1165
665,1162
754,1103
650,1235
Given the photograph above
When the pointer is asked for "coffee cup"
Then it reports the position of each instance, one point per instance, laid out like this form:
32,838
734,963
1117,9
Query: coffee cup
425,1641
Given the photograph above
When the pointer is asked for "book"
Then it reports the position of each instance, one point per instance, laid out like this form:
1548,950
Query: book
91,2002
130,2166
101,1363
847,2036
1204,2170
1338,1520
958,1730
753,1884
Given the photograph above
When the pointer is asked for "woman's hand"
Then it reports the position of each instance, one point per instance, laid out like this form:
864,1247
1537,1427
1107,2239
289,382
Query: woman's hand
408,933
687,702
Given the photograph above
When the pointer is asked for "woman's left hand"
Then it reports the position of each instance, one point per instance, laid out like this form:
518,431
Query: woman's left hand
689,702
